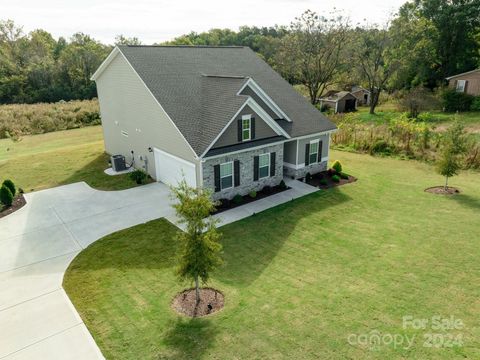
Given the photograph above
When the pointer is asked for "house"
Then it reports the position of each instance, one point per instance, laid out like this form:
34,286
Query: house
218,116
362,95
339,101
468,82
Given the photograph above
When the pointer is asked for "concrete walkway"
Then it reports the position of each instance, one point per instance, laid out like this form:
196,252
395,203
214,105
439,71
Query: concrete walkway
38,242
297,189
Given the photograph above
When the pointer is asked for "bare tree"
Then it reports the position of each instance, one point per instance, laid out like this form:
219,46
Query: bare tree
312,53
372,58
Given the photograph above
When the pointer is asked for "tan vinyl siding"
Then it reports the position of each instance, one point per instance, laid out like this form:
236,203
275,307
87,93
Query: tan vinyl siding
230,136
127,106
473,82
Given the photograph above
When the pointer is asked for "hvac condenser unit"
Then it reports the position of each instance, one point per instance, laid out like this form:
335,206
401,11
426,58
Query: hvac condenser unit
118,163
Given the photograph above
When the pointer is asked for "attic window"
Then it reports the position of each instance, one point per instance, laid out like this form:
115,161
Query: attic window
460,85
246,127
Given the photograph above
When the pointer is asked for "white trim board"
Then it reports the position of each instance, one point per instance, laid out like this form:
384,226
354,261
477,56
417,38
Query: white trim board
243,150
264,96
113,54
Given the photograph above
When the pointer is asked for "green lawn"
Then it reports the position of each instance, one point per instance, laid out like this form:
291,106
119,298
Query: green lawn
299,279
41,161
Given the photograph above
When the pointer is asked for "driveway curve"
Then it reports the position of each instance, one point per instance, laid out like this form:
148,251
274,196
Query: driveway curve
38,242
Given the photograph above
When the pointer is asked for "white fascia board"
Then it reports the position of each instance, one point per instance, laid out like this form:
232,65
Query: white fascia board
264,96
315,134
462,74
160,105
258,109
268,119
105,63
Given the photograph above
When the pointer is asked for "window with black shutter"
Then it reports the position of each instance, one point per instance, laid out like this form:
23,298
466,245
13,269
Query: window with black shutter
216,175
236,173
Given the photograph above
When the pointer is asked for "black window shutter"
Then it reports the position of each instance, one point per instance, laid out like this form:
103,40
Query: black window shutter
307,154
272,164
216,175
252,128
320,145
236,173
466,85
255,168
239,126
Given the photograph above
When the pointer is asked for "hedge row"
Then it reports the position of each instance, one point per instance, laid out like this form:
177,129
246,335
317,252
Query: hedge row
27,119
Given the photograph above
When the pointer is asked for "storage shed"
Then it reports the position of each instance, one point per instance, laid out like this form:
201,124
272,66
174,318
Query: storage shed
339,101
362,95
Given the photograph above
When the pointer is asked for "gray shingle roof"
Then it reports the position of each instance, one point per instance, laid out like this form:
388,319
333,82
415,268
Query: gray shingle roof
197,87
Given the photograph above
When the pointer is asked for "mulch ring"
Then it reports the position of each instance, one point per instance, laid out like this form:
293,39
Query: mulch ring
323,180
442,191
211,301
18,202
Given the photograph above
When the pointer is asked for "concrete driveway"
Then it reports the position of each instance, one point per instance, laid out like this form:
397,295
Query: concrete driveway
38,242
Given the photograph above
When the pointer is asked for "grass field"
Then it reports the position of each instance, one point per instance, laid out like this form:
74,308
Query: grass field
42,161
301,278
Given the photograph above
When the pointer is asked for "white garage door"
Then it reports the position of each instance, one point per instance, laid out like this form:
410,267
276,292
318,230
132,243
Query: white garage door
170,169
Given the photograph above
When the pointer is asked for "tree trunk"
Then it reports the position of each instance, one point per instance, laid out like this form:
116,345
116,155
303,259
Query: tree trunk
197,290
446,183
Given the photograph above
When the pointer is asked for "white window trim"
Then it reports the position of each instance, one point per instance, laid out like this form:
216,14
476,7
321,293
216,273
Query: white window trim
221,177
269,165
462,88
249,118
316,141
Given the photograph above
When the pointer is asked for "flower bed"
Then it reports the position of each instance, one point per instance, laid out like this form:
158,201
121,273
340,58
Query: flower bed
238,200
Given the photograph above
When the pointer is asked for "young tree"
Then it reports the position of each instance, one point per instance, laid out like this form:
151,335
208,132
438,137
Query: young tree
453,148
312,53
200,250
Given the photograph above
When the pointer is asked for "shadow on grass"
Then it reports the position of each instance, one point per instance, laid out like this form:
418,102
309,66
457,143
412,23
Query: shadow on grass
251,244
93,174
467,200
151,245
188,338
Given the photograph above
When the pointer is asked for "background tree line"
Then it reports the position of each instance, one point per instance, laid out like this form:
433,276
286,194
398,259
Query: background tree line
425,42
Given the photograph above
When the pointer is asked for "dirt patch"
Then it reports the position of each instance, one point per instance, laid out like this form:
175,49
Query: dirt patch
323,180
442,191
18,202
211,301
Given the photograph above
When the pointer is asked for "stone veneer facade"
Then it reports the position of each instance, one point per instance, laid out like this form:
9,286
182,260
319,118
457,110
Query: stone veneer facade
300,173
246,171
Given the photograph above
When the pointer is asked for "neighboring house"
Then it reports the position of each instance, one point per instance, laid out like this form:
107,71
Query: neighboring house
362,95
468,82
339,101
218,116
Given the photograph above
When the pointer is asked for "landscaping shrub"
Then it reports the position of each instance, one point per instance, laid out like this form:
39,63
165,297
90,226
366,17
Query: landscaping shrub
475,104
343,175
337,166
323,182
308,177
237,199
6,196
456,101
336,178
138,176
267,189
252,194
282,185
10,185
